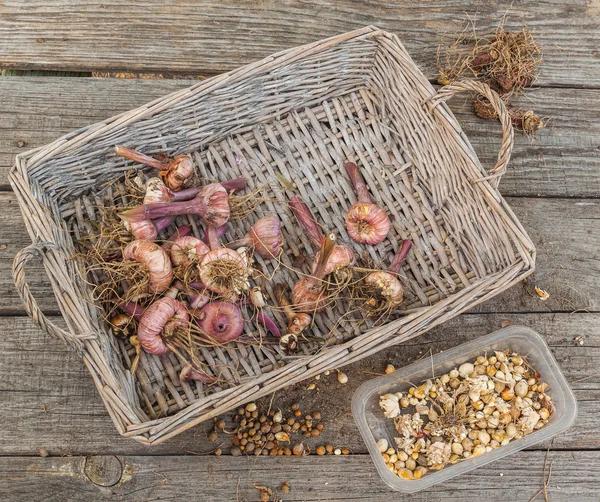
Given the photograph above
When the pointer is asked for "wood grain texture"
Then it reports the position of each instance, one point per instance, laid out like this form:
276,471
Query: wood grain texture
574,477
49,400
566,233
35,111
209,37
564,161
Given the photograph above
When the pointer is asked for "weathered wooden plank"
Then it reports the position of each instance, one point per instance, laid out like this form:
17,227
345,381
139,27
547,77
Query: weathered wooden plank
35,111
210,37
566,233
574,477
49,401
563,162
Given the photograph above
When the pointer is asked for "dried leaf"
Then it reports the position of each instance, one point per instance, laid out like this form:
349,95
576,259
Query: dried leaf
544,295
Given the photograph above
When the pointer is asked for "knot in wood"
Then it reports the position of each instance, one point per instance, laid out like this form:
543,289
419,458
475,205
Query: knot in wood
104,470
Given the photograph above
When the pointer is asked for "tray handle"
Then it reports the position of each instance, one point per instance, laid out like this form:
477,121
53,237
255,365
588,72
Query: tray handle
31,306
446,92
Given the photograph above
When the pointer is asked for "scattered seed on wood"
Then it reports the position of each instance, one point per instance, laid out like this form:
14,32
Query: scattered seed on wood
298,449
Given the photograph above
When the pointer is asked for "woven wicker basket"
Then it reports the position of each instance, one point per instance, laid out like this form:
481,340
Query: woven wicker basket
297,114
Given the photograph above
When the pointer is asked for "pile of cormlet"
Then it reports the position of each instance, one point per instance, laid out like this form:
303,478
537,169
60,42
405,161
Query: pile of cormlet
475,408
186,293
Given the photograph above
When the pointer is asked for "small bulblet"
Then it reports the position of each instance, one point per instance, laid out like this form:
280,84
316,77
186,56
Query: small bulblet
367,223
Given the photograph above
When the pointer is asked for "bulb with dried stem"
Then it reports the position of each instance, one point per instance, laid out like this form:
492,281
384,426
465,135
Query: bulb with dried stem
309,293
387,290
211,205
366,222
341,256
297,321
173,173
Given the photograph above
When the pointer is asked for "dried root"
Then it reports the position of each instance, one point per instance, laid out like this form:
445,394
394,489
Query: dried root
507,61
526,121
242,206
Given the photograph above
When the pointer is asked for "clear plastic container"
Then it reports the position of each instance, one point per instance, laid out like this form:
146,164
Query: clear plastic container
373,425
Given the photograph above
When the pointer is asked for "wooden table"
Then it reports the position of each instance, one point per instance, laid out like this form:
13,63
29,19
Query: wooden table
553,184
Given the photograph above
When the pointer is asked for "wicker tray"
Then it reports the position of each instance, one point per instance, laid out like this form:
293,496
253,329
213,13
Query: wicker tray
297,114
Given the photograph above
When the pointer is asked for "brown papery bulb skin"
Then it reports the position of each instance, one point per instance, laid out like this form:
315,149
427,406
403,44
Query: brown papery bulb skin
188,249
189,373
160,320
308,294
221,321
366,222
265,235
156,191
156,261
297,321
179,170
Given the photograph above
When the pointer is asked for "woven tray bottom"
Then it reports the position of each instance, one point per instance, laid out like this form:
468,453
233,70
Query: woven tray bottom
306,148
